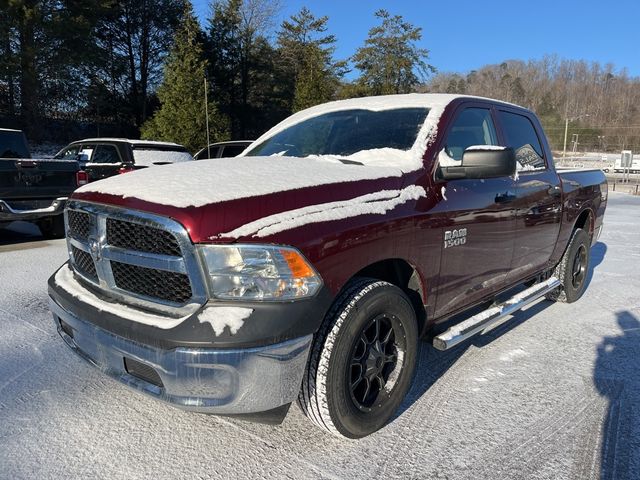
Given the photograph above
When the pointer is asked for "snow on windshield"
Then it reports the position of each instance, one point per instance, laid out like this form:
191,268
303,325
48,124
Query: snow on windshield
148,157
378,131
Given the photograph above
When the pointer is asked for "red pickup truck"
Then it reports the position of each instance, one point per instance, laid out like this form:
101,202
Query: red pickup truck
309,267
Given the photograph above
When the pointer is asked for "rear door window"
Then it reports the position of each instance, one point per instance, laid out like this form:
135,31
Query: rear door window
522,137
106,154
85,153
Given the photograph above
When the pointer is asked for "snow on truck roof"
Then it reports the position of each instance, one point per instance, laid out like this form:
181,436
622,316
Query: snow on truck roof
433,101
191,183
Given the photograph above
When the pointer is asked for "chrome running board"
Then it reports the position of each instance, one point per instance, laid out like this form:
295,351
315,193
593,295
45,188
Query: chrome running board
483,320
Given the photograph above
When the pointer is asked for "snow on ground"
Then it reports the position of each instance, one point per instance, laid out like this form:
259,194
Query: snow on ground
554,394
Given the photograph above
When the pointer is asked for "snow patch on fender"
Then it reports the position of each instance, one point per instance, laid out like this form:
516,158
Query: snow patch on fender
373,203
221,317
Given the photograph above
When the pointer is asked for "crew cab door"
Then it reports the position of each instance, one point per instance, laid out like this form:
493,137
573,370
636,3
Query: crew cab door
538,194
477,215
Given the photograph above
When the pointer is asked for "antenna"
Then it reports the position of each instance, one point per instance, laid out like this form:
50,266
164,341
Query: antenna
206,112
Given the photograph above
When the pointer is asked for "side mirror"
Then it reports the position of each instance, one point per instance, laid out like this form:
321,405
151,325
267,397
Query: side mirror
483,161
486,161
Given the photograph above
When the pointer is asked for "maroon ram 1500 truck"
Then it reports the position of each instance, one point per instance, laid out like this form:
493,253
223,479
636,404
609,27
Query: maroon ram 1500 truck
309,267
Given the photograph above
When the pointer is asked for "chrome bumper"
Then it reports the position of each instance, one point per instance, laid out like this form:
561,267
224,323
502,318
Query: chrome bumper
218,381
8,213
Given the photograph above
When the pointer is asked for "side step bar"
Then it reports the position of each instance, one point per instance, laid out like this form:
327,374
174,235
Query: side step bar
483,320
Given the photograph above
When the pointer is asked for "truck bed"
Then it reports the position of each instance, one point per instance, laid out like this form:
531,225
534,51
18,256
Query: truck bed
24,179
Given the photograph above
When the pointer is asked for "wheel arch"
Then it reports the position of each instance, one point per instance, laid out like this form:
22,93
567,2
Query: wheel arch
585,219
407,277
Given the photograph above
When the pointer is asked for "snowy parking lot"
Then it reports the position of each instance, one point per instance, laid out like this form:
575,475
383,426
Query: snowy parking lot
552,394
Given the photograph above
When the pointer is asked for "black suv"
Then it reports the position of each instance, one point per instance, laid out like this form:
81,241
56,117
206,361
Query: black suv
105,157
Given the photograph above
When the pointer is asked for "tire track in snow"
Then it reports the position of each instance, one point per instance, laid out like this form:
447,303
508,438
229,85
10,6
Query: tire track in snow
441,371
524,453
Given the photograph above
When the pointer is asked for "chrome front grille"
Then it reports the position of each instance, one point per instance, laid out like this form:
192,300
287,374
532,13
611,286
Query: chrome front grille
79,224
141,238
140,259
83,263
170,286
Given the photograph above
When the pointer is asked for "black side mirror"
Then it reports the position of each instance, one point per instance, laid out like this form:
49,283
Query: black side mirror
488,162
483,161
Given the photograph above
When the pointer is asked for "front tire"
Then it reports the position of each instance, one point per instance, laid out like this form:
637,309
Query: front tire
362,361
573,269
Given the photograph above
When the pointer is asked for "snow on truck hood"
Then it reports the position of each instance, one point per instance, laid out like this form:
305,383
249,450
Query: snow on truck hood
204,182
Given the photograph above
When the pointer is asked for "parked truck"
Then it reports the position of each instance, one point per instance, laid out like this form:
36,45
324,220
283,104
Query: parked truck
34,190
627,163
310,267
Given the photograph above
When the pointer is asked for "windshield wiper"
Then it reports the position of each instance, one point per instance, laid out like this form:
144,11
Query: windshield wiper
349,162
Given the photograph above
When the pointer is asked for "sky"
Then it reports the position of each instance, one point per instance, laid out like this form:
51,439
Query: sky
464,35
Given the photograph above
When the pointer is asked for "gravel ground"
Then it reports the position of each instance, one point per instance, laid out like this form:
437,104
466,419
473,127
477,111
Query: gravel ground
552,394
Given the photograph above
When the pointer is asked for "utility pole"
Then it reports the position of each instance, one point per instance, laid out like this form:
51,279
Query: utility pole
566,130
206,112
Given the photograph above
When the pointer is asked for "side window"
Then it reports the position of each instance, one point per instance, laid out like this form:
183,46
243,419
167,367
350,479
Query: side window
106,154
70,153
86,150
232,151
473,126
522,136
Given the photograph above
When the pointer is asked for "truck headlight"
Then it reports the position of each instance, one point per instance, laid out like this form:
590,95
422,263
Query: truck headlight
258,272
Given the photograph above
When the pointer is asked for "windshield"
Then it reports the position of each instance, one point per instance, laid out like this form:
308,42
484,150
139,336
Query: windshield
345,133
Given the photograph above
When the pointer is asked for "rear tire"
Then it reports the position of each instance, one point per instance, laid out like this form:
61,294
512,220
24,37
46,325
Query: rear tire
362,361
573,269
52,227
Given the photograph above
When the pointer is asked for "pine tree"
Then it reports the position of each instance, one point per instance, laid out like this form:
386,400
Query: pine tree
241,64
390,60
181,117
307,54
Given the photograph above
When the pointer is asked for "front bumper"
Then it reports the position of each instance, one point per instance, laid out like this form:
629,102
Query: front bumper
9,213
219,381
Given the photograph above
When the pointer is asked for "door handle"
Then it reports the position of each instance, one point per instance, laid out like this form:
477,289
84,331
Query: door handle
505,197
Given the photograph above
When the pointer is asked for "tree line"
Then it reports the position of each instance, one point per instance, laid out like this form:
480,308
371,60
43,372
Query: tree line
601,105
141,67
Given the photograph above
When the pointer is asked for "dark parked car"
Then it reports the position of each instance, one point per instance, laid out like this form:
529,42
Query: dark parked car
223,149
34,190
309,267
105,157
